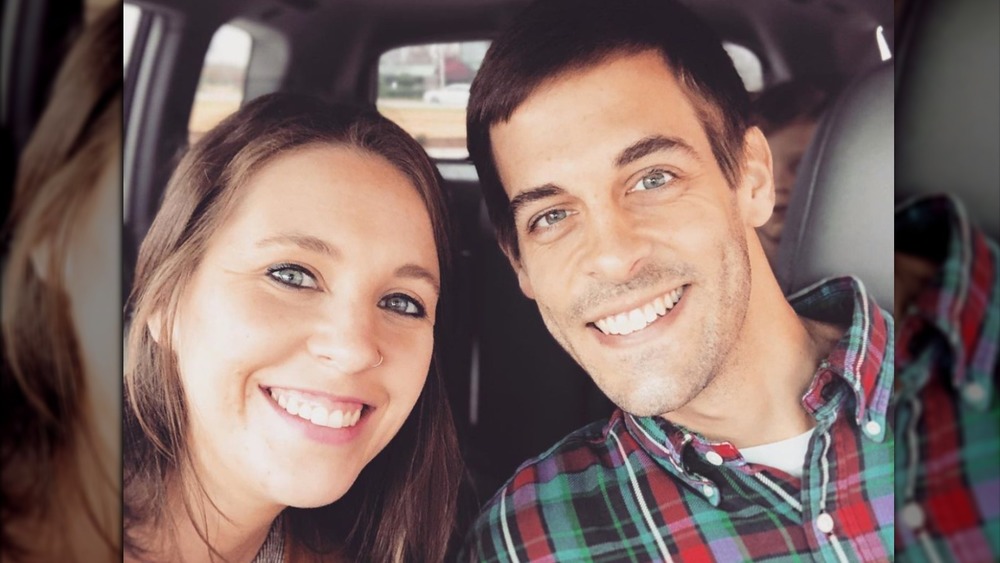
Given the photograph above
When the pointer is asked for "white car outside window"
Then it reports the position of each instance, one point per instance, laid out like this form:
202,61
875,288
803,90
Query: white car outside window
452,95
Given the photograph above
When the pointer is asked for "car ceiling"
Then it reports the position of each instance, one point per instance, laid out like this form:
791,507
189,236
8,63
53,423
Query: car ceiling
335,43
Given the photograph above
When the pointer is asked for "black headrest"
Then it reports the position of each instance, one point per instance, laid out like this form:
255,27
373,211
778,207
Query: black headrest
841,211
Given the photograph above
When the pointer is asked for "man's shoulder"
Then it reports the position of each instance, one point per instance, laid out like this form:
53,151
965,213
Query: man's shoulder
578,452
565,474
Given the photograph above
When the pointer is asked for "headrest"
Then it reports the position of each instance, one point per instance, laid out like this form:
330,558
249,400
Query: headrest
840,216
948,137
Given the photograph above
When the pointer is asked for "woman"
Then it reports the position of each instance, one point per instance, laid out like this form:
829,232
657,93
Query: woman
281,400
59,459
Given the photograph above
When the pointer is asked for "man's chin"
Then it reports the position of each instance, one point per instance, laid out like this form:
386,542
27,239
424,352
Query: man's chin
649,400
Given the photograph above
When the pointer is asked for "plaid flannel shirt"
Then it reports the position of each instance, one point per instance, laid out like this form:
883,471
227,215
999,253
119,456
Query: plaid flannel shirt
946,411
642,489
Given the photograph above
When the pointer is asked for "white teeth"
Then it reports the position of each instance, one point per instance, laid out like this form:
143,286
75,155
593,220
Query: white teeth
661,309
650,312
640,317
336,419
636,320
317,414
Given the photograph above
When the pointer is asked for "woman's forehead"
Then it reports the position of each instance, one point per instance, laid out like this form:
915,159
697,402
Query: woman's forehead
339,194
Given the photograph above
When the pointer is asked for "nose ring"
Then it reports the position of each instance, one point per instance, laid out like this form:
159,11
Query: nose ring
380,358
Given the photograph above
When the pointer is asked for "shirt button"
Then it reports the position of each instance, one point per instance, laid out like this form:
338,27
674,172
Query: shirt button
974,392
872,428
709,490
824,522
714,458
913,516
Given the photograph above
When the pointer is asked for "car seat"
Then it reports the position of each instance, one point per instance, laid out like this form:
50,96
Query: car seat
840,214
948,103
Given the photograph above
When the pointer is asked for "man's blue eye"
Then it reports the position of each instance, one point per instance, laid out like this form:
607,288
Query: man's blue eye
292,276
549,218
655,179
402,304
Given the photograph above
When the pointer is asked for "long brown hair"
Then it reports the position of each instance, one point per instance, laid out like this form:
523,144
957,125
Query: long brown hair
402,506
60,480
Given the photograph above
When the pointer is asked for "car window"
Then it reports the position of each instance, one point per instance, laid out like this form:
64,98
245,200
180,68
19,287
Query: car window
425,88
131,14
223,80
747,66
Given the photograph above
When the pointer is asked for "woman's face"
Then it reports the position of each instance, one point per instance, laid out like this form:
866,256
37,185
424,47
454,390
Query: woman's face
305,336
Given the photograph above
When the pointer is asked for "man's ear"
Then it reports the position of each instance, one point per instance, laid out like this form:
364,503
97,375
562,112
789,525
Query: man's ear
757,181
522,277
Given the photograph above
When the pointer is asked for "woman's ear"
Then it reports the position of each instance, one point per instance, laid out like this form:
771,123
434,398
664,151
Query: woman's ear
41,256
154,324
757,182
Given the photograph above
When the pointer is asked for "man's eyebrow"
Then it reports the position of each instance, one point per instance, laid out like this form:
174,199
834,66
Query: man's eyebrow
651,144
417,272
306,242
533,194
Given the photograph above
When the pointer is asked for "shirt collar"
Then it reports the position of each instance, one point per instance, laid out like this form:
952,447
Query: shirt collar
962,303
862,358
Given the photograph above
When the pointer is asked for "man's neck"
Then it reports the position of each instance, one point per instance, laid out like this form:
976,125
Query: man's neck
756,395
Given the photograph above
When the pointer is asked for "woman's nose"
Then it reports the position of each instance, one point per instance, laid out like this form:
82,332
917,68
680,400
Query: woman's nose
346,338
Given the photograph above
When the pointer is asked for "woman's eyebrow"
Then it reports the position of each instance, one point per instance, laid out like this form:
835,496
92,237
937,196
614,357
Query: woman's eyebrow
417,272
307,242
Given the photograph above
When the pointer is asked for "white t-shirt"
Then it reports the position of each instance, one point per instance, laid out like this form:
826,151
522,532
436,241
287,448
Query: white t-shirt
788,455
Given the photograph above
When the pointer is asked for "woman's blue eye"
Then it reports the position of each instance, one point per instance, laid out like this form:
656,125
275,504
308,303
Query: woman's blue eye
292,276
402,304
548,219
654,179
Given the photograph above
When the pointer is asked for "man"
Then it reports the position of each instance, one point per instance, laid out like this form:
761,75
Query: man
787,114
625,185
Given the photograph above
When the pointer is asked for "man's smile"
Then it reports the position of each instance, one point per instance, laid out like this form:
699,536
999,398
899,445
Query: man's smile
634,320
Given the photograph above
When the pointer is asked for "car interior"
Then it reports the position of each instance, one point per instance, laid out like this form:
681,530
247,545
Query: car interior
948,119
920,90
513,391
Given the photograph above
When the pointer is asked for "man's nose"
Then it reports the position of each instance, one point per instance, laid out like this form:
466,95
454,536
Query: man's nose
617,246
344,337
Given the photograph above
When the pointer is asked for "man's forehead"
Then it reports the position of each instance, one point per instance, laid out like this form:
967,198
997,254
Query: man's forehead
626,98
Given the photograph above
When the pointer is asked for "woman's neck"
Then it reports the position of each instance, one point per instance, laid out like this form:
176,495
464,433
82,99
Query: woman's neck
234,530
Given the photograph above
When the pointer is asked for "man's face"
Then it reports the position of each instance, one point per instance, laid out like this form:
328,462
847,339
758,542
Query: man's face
632,242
